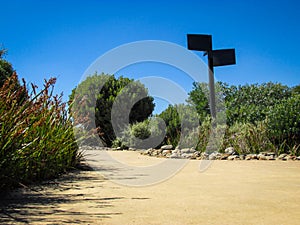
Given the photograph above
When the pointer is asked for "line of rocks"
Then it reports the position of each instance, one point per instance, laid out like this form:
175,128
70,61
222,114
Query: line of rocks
167,151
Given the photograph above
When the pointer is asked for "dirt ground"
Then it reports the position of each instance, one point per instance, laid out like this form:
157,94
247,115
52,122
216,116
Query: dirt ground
227,192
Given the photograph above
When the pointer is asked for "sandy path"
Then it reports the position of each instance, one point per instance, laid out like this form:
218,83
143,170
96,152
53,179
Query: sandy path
228,192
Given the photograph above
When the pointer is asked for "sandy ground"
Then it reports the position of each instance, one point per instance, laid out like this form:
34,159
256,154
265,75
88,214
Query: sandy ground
227,192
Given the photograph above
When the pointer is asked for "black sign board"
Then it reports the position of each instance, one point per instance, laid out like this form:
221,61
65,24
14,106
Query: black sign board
200,42
223,57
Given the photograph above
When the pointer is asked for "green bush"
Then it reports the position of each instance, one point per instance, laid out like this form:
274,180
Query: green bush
251,103
36,136
248,138
6,69
284,122
147,134
182,123
100,97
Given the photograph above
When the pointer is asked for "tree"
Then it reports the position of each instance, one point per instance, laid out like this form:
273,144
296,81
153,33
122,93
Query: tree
251,103
6,69
199,98
284,122
243,103
181,123
109,104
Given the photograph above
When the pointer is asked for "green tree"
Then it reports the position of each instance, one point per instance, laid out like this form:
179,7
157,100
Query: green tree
199,98
182,123
251,103
6,69
100,98
284,122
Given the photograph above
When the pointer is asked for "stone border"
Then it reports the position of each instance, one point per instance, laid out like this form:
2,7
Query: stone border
167,151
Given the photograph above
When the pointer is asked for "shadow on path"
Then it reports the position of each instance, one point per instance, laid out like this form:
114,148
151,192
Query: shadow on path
72,199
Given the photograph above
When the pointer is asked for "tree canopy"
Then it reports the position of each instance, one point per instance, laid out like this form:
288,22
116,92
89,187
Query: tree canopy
100,98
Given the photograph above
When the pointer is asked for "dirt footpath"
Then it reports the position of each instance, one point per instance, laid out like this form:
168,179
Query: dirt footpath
227,192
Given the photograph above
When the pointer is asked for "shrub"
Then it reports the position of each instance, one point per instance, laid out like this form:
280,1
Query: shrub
284,122
182,124
36,134
147,134
100,97
251,103
248,138
6,69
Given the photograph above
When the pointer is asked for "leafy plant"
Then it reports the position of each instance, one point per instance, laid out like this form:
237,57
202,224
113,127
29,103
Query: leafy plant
100,98
284,122
36,136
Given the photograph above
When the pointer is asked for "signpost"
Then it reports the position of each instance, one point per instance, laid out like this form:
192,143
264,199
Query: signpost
222,57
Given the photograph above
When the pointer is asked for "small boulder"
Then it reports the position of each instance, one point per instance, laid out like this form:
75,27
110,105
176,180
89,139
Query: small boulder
225,156
165,152
230,151
166,147
233,157
187,150
251,157
242,157
282,156
214,156
261,157
204,155
187,155
174,156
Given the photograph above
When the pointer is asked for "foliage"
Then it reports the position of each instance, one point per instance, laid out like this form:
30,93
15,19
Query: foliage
36,137
6,69
182,123
100,98
142,135
250,103
199,98
284,122
248,138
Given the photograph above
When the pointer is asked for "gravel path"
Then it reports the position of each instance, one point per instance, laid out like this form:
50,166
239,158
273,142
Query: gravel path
227,192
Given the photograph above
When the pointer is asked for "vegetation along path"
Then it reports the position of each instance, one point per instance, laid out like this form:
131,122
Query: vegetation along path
227,192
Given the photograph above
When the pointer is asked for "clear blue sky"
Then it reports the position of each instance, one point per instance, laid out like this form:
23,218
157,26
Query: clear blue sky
62,38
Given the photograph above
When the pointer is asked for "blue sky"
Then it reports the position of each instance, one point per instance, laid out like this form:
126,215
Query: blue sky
62,38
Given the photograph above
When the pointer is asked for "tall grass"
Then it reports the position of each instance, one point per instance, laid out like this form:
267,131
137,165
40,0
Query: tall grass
36,136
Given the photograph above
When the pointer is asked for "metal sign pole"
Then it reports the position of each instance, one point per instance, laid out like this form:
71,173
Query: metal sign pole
211,80
222,57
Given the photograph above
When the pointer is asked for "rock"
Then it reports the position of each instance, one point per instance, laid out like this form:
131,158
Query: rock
187,155
214,156
261,157
270,154
298,158
174,156
166,147
282,156
270,157
156,152
176,151
196,154
165,152
187,150
290,157
242,157
225,156
233,157
230,151
251,157
204,155
148,151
